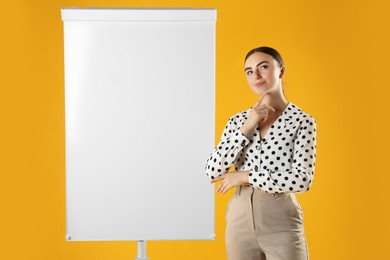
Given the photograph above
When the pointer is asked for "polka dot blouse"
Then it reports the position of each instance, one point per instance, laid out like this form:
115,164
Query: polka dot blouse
282,161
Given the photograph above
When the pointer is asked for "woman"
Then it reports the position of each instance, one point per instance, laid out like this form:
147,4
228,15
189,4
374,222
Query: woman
272,147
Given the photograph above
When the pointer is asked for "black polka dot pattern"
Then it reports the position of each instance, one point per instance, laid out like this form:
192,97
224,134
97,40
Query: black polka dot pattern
282,161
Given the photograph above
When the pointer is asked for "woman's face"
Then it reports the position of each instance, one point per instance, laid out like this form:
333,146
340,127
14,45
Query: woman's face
263,73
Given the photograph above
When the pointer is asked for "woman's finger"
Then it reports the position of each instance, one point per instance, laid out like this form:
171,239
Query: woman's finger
226,188
266,108
261,99
217,179
265,117
270,108
258,102
220,188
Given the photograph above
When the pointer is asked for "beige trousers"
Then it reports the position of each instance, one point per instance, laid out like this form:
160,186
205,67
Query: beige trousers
262,226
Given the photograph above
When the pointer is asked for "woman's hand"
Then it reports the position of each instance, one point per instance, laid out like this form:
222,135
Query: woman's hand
230,180
259,113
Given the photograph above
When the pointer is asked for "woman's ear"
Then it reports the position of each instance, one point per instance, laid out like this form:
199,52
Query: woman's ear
282,72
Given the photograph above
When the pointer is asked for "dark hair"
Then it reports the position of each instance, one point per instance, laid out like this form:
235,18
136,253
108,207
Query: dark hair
267,50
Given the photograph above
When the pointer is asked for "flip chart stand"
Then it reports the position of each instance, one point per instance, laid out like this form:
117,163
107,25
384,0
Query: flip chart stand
141,250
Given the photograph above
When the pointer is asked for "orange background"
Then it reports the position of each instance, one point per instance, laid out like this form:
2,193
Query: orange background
336,54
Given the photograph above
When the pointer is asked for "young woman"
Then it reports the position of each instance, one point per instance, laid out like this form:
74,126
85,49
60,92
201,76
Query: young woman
272,147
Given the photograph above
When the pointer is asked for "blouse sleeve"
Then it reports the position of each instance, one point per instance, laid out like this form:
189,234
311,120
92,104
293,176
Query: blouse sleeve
232,142
300,177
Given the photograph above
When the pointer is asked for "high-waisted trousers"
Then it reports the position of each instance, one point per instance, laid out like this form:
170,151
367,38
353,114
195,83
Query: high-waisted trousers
262,225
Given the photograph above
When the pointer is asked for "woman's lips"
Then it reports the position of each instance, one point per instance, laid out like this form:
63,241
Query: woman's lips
259,84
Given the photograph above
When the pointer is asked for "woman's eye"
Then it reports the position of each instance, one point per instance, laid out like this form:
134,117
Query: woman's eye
248,72
264,67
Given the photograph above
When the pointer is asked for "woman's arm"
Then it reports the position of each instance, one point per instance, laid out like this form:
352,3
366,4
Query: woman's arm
299,179
226,152
234,139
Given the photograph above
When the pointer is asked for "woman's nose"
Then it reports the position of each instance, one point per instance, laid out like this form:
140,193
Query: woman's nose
258,74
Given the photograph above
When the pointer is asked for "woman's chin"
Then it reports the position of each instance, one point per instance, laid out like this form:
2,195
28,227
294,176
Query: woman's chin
258,91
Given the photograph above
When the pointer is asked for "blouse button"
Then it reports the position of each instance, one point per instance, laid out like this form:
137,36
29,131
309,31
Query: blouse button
256,168
243,143
258,147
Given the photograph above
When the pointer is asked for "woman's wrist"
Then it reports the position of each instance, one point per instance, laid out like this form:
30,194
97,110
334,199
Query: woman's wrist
245,177
245,130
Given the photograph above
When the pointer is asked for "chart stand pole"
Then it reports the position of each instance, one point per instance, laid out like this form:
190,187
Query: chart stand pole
141,250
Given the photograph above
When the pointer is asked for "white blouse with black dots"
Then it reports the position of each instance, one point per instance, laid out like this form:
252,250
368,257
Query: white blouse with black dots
282,161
